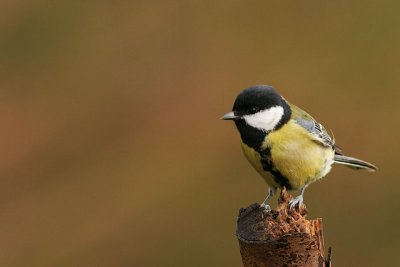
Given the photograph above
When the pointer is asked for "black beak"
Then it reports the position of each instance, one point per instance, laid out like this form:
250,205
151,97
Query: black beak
230,116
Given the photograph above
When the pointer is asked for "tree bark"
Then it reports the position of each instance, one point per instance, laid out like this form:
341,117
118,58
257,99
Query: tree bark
281,237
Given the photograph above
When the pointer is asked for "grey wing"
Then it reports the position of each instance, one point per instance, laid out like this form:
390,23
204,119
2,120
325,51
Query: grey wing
316,129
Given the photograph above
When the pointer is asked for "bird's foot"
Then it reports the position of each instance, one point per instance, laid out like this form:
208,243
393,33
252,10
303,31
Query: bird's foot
265,208
296,201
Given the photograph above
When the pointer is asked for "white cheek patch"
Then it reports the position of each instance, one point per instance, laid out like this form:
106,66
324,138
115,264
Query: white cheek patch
265,120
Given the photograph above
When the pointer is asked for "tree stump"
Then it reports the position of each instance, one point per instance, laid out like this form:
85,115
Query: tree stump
281,237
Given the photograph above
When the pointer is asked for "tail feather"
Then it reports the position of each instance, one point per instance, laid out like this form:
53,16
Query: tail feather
354,163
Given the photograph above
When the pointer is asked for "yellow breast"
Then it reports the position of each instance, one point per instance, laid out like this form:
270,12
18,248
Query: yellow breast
294,154
297,156
255,160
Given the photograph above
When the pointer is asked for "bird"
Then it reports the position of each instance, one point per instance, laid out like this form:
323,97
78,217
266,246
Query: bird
284,144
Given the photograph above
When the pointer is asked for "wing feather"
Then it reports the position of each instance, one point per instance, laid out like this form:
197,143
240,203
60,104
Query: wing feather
317,130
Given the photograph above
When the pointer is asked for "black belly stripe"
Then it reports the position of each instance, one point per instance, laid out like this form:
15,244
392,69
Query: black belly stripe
268,166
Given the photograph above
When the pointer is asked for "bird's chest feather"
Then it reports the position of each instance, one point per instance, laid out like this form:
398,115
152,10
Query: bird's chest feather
256,161
296,156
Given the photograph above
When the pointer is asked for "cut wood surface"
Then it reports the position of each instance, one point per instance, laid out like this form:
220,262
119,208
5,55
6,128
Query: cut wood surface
281,237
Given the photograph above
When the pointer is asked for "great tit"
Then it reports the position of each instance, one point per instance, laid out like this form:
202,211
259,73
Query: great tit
286,146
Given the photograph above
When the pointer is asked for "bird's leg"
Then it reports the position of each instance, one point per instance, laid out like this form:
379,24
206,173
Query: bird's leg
298,200
264,205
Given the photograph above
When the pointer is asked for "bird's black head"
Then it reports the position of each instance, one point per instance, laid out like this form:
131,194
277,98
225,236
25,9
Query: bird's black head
257,98
258,110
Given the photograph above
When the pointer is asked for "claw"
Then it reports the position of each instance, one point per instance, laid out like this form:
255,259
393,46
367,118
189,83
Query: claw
296,201
265,207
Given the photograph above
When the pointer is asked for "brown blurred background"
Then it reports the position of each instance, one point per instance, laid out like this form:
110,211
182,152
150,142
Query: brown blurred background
112,153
